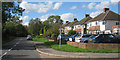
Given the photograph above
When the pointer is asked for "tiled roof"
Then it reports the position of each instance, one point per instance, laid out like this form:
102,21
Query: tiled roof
108,15
66,24
73,23
83,21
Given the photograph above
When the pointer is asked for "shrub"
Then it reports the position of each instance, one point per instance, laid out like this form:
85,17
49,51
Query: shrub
71,32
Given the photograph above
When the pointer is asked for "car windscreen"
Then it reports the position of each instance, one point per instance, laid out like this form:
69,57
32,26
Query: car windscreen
78,35
73,35
92,36
85,36
109,36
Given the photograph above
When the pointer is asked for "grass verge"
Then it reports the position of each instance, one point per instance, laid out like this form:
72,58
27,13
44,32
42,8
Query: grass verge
8,39
69,48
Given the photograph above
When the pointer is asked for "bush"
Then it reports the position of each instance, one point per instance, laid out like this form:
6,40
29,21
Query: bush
71,32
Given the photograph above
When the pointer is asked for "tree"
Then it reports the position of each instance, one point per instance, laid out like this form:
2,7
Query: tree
10,9
41,31
34,26
71,32
44,29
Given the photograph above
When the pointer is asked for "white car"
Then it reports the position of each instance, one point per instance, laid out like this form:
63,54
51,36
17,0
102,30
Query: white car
82,37
29,37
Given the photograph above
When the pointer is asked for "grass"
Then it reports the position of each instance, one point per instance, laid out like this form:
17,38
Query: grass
8,39
69,48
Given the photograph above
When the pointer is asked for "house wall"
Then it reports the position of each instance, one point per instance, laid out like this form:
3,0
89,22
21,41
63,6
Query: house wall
107,27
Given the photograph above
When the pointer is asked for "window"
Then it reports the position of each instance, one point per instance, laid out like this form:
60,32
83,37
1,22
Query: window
96,23
90,24
104,22
117,23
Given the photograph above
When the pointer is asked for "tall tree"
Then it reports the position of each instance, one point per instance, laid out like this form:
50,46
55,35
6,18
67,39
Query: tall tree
34,26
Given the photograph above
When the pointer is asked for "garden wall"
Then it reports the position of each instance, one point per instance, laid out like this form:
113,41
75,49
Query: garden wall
94,45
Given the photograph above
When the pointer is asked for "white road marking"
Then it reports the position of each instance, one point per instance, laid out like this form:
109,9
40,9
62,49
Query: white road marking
10,49
3,55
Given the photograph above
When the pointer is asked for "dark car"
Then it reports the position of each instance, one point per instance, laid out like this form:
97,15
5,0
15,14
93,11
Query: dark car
86,40
63,37
72,38
103,38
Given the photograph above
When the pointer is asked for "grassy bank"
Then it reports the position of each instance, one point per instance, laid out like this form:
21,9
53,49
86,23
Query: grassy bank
69,48
8,39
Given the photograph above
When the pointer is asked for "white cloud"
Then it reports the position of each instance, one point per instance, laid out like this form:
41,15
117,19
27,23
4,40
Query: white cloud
73,7
99,7
67,17
40,7
44,17
26,23
83,6
91,5
57,5
24,18
102,5
114,1
93,14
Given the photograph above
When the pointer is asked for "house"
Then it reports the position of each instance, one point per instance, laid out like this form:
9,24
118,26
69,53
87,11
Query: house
68,26
80,27
103,23
65,27
116,29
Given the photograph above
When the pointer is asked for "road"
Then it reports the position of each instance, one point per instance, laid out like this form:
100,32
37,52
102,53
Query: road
21,48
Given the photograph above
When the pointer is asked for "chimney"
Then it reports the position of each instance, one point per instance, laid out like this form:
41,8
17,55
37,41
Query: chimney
86,15
106,9
67,21
75,19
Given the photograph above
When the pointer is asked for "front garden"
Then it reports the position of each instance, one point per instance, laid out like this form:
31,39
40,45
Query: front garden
69,48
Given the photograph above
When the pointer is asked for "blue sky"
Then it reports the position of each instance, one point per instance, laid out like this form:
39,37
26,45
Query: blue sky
67,10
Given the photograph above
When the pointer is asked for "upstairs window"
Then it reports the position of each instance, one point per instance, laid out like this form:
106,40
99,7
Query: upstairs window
104,22
117,23
96,23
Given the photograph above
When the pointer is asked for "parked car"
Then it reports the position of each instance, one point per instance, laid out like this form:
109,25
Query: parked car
29,37
104,38
82,37
86,40
63,37
72,38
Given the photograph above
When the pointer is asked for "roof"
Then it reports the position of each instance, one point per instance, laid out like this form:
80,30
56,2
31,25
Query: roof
108,15
73,23
84,20
66,24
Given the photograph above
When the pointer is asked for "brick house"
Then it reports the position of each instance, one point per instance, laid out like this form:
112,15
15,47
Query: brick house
68,26
80,26
103,22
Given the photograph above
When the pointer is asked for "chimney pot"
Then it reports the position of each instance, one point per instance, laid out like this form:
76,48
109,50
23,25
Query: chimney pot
86,15
106,9
75,19
67,21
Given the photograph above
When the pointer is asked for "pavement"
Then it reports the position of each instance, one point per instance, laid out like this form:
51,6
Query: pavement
43,49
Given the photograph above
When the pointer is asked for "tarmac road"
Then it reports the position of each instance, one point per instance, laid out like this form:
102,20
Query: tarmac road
21,48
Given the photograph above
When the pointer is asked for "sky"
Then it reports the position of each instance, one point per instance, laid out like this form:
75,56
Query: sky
66,10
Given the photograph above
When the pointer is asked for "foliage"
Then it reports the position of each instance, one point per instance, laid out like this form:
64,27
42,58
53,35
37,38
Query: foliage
51,26
71,32
11,24
34,26
9,9
41,31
